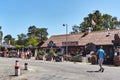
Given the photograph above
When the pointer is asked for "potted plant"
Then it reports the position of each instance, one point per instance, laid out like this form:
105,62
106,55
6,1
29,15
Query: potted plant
51,53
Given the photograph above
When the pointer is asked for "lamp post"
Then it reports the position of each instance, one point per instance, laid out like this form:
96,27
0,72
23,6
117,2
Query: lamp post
66,38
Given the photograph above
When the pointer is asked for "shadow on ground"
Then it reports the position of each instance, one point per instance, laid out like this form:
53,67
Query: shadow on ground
93,71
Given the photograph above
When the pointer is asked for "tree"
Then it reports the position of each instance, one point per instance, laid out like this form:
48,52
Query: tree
42,34
31,31
33,37
22,39
22,36
38,33
8,39
102,22
96,17
32,41
12,41
76,29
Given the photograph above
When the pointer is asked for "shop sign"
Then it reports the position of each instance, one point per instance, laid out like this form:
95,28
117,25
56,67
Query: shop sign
70,43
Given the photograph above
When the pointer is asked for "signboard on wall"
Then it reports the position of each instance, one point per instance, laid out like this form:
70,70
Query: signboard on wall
70,43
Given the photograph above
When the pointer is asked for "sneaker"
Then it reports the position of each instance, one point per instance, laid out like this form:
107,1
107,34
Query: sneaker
99,69
102,70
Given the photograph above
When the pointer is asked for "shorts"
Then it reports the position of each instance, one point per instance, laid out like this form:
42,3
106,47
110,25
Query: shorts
100,61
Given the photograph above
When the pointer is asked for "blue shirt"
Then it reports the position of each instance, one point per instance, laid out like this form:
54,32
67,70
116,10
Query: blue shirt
101,53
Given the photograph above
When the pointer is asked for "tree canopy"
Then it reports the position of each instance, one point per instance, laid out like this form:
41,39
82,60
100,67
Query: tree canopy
97,21
9,40
33,37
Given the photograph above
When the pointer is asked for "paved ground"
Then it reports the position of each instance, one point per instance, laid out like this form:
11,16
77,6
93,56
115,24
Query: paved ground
45,70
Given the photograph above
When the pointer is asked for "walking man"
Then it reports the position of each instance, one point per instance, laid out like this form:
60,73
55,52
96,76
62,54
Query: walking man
101,56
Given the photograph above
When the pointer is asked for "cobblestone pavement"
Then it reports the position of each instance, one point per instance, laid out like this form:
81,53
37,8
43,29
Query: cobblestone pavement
46,70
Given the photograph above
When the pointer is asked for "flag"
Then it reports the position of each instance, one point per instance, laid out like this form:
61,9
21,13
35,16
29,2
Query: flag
93,22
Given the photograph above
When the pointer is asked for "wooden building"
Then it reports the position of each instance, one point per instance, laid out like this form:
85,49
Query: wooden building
109,39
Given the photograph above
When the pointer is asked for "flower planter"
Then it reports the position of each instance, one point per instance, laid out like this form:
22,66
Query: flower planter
117,60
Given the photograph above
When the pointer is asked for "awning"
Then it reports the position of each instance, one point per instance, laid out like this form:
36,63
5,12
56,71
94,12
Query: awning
7,46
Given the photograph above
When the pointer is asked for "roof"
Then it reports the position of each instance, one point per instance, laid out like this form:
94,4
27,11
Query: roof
7,46
97,37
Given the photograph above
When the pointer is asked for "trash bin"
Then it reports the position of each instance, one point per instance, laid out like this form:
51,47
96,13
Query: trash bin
93,58
117,57
85,59
117,60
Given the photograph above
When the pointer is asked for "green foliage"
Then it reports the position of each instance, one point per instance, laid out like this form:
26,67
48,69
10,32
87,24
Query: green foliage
32,41
22,39
22,36
51,52
19,46
39,33
103,22
33,37
9,40
31,31
76,29
40,52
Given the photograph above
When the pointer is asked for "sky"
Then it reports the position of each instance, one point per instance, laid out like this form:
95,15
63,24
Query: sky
16,16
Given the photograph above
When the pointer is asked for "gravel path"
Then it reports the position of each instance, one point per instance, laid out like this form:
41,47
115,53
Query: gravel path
45,70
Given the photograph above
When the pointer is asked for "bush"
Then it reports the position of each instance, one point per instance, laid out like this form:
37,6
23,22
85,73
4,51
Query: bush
51,52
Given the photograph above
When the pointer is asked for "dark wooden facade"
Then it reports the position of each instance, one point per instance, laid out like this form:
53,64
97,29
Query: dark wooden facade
75,42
